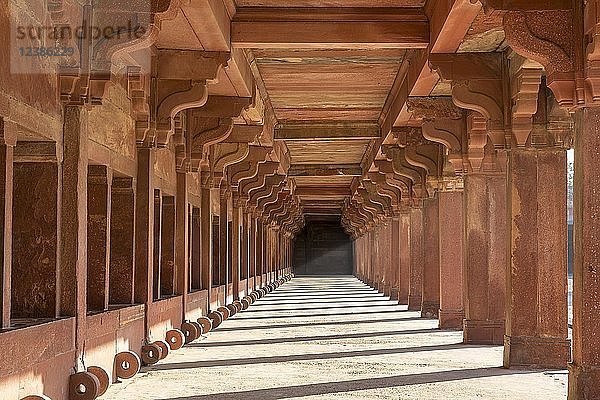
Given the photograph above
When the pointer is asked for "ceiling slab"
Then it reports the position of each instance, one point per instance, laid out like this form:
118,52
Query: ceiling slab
321,170
327,152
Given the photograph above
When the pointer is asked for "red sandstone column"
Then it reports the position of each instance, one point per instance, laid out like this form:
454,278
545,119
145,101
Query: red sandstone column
122,241
182,241
259,251
430,305
98,233
387,263
378,240
6,204
223,235
235,246
451,227
72,267
404,258
157,245
244,249
584,372
144,228
395,258
206,235
195,248
536,325
416,259
486,257
167,252
374,258
253,250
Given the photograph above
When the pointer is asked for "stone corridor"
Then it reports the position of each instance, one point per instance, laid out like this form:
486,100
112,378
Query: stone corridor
168,166
331,337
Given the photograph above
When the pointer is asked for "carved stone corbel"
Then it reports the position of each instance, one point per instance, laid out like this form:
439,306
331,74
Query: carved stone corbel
213,123
272,185
387,189
526,78
133,27
443,123
225,154
401,182
248,168
264,169
401,167
380,196
180,80
477,85
477,134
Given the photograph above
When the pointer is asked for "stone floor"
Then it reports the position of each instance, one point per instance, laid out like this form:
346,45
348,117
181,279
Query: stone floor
334,338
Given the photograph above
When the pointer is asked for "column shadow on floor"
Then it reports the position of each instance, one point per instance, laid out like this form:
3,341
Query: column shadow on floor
276,309
315,338
324,302
317,389
238,318
305,357
328,323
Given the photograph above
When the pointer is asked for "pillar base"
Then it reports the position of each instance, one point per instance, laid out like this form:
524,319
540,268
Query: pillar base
483,332
452,319
430,309
402,298
394,294
414,303
536,352
584,383
386,289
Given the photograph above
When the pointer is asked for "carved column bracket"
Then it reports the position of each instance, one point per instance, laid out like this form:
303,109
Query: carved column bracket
213,122
477,85
548,37
443,123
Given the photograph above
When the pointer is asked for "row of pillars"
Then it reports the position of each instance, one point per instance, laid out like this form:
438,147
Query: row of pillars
80,237
491,259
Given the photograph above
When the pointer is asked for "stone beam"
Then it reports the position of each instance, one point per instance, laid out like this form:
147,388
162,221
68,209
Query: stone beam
325,170
322,191
339,28
327,131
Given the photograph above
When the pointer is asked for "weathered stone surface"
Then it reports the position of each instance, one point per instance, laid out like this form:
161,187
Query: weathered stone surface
34,240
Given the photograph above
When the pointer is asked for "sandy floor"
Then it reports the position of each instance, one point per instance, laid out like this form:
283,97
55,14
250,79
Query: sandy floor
334,338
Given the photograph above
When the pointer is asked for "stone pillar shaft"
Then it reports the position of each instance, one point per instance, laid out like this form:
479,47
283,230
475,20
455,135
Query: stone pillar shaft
584,372
235,247
98,229
404,259
6,205
451,259
395,262
144,227
206,236
430,305
536,325
415,288
486,258
167,245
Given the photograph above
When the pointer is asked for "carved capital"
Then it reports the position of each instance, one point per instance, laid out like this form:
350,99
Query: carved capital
548,37
78,87
477,85
433,108
526,78
179,81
